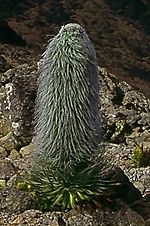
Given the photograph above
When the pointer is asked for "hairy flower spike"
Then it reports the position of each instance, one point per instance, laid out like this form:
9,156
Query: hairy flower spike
68,130
67,114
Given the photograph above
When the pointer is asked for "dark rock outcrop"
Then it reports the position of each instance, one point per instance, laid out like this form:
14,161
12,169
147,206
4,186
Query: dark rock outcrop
8,35
20,92
126,111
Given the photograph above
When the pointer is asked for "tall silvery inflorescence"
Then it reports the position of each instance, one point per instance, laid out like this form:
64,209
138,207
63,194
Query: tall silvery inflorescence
67,121
67,114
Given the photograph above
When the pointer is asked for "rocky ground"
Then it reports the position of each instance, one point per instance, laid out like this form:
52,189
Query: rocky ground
126,123
120,32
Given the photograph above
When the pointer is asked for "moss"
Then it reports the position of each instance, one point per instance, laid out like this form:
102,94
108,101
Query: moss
137,155
24,186
2,184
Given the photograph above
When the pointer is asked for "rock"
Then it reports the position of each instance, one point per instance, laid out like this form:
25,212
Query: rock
7,142
13,200
125,114
27,150
125,190
122,156
4,119
142,207
20,88
33,217
140,177
8,35
7,169
14,155
123,216
4,127
11,183
4,65
118,154
126,111
3,152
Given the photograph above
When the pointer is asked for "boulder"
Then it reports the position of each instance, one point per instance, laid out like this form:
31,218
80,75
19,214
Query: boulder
125,113
8,35
20,90
123,216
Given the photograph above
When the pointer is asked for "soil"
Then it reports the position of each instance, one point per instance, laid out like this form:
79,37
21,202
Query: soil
119,30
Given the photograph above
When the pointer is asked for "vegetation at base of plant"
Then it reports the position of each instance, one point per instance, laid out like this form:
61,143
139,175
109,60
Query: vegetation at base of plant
137,155
56,189
24,186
